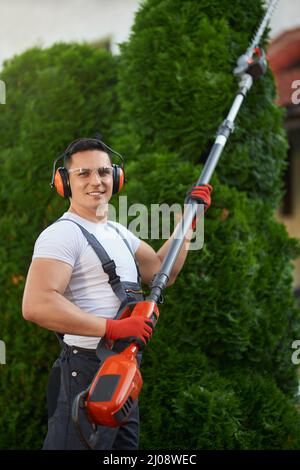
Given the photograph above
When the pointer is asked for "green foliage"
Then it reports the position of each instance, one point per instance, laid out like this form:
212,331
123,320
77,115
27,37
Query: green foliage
230,308
179,63
204,408
199,410
218,374
53,96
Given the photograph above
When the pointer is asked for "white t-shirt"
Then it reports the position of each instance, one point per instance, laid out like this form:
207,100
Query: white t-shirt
88,287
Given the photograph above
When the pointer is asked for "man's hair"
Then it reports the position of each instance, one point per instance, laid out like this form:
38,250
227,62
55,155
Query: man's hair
79,145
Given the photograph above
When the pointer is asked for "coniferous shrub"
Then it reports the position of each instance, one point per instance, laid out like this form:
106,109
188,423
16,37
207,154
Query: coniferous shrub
54,96
218,372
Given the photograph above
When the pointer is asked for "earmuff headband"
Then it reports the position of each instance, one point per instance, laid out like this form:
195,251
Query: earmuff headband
60,178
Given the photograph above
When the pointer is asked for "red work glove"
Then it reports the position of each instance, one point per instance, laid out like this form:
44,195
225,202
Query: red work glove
138,327
201,194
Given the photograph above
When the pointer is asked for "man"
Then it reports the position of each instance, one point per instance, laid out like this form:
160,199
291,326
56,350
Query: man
69,291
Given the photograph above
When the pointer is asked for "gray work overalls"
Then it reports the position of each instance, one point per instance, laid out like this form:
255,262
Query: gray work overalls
75,369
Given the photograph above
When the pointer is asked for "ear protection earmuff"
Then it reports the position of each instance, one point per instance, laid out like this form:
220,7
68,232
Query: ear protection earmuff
60,176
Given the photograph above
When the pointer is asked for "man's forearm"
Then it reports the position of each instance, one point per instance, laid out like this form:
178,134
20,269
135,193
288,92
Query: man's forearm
54,312
181,257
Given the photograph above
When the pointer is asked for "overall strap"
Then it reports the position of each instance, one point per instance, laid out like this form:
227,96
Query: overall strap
108,265
139,277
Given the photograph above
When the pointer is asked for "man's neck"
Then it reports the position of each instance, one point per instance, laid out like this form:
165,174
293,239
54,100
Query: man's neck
91,216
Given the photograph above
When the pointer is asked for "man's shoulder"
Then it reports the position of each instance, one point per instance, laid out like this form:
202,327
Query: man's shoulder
62,240
62,230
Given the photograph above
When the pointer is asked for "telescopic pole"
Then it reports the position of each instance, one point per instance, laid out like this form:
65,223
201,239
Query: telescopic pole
250,66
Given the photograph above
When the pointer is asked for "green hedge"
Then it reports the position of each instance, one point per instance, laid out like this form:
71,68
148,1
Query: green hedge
53,96
218,372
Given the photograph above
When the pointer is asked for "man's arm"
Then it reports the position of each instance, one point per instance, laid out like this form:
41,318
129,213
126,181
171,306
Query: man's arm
44,303
150,261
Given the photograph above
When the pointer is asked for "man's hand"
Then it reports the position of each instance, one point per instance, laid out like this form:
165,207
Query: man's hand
201,194
139,327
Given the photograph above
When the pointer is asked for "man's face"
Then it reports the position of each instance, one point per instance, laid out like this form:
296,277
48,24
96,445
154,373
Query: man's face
90,191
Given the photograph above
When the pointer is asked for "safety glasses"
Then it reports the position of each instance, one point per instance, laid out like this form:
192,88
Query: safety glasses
104,172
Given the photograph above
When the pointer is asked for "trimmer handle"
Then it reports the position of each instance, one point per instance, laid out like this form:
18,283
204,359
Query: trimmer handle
144,308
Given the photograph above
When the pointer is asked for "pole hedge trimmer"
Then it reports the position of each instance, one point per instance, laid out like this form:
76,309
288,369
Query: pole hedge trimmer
112,394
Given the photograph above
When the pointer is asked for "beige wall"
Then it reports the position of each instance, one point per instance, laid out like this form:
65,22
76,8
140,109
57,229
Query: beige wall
27,23
286,16
292,222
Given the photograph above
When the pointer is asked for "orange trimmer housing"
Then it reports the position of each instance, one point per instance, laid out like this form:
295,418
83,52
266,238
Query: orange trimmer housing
114,389
117,384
